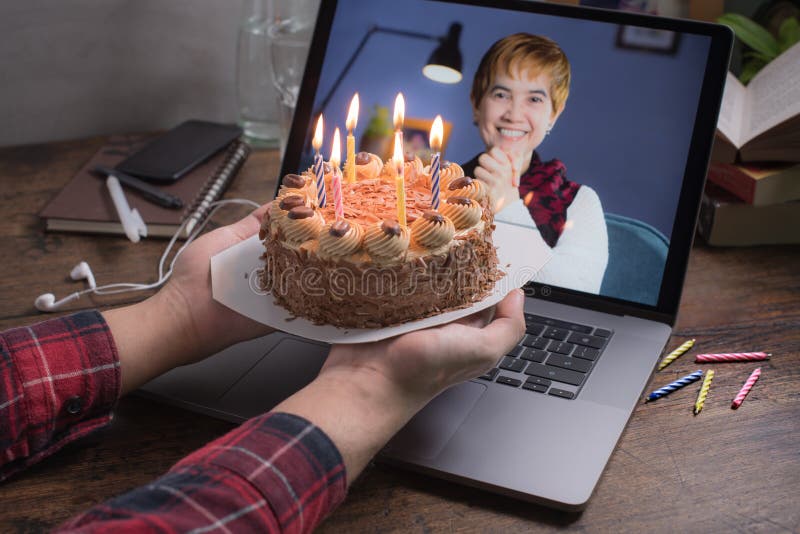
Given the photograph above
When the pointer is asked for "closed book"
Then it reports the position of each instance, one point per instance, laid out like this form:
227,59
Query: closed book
758,185
726,220
84,204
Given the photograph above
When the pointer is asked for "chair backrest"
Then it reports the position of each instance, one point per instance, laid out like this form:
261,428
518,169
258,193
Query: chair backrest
637,253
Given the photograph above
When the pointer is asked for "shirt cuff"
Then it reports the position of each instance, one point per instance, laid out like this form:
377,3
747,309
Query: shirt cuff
291,462
64,380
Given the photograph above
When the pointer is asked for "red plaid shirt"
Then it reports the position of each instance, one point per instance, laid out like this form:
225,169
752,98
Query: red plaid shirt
60,381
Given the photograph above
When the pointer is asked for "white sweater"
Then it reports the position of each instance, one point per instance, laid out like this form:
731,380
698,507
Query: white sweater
580,256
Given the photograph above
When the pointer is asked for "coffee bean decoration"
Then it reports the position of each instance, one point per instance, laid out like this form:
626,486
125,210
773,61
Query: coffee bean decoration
339,228
300,212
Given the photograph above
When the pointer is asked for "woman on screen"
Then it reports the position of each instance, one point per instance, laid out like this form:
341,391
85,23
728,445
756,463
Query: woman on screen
518,93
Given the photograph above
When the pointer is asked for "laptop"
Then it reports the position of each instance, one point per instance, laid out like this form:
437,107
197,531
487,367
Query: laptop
637,130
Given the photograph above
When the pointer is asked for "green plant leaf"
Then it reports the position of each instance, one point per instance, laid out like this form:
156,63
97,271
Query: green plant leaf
752,54
750,69
788,33
751,34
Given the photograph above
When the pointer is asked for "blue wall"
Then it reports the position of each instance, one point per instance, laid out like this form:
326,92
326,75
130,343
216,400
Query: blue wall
627,124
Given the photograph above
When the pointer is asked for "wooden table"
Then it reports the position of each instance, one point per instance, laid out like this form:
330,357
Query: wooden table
722,471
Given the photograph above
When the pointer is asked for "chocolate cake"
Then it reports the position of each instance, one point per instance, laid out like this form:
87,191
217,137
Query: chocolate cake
366,270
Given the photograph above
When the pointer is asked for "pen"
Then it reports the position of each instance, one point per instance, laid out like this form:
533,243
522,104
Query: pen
149,192
132,222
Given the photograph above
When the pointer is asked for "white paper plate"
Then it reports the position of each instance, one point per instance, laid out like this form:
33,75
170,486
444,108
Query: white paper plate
234,283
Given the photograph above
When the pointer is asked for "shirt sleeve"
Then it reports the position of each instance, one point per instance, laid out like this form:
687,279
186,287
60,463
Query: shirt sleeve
275,473
580,256
60,381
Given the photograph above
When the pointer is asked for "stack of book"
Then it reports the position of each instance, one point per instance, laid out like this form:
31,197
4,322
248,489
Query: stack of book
752,195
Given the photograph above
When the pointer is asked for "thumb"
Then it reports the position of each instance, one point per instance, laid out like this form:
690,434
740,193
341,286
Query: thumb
227,236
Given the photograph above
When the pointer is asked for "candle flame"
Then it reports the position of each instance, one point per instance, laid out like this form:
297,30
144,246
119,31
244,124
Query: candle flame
336,149
352,114
397,157
528,198
437,133
317,141
399,111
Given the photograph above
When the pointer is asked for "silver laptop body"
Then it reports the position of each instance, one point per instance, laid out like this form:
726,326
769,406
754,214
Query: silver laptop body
560,446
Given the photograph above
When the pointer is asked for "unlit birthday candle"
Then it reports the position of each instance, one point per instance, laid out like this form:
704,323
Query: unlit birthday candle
352,120
319,164
672,356
701,397
336,180
674,386
732,357
748,385
437,132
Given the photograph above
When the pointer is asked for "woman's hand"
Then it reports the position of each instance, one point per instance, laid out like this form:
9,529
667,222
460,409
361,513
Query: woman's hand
500,171
182,323
365,393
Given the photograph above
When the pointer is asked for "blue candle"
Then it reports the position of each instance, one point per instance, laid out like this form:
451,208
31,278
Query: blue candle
319,166
678,384
437,132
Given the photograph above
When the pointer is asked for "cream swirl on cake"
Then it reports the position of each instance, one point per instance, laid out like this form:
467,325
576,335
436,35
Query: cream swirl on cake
295,184
464,212
368,166
433,230
301,224
449,171
465,187
412,167
386,240
340,238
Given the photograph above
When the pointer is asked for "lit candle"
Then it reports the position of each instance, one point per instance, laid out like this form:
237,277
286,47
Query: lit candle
336,181
399,116
732,357
319,164
748,385
669,358
701,397
437,132
352,120
673,386
400,183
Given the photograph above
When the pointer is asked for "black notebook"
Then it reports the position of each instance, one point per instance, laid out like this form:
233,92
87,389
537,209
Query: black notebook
84,204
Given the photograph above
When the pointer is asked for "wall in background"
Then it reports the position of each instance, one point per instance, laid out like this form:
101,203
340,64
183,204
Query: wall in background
628,120
84,67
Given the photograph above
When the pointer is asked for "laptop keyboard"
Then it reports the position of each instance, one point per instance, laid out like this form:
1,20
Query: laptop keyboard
555,357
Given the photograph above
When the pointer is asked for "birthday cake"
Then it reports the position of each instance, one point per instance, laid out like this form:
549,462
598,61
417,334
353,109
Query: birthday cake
367,270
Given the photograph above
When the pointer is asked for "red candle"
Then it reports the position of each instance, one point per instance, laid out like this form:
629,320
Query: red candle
732,357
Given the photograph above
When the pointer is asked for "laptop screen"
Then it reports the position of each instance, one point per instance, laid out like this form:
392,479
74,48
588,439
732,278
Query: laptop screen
594,121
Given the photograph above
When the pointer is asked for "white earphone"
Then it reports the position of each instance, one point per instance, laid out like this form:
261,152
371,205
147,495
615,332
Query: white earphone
48,303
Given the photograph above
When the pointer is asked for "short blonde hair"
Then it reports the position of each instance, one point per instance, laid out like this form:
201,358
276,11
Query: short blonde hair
520,52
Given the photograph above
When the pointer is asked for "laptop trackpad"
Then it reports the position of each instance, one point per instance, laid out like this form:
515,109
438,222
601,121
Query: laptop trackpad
427,433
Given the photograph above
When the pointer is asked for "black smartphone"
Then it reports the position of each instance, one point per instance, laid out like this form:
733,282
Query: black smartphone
173,154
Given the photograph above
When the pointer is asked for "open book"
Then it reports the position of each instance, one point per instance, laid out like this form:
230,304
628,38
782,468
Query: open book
761,122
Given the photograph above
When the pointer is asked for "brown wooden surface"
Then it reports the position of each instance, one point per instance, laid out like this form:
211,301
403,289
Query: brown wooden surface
722,471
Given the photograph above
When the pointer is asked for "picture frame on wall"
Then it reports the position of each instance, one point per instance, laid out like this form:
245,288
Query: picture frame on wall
416,137
648,40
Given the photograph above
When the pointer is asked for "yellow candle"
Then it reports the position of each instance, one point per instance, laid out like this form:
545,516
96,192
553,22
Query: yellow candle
701,397
669,358
399,117
400,183
352,120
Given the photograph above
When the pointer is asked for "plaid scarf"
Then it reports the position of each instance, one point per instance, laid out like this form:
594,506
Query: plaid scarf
547,193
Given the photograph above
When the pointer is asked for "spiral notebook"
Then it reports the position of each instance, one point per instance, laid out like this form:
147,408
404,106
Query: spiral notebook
84,205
